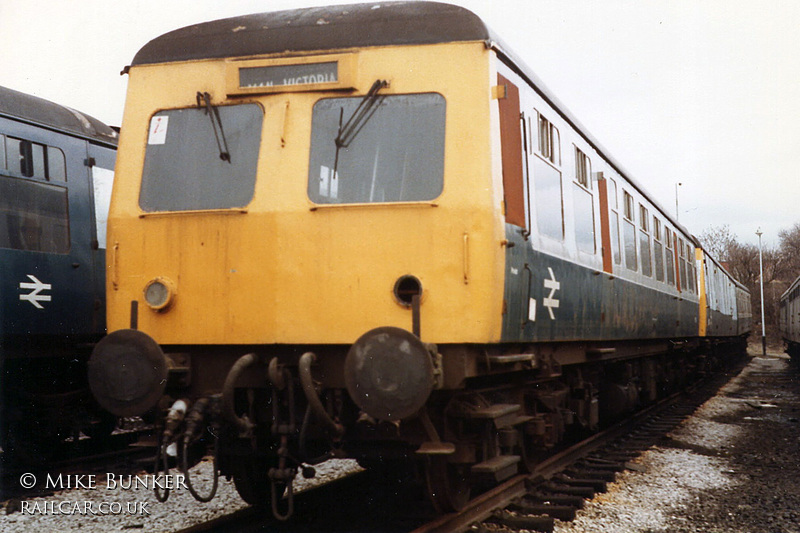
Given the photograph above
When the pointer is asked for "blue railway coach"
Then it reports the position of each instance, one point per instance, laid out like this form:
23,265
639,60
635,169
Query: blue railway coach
56,171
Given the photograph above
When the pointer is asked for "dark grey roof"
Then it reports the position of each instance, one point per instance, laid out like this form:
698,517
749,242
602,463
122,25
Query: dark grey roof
318,28
41,112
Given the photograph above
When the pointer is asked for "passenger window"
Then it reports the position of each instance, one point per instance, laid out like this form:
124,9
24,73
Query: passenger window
583,169
548,199
549,141
35,216
14,151
644,241
629,232
627,204
20,157
37,160
614,203
583,204
56,165
33,160
670,258
658,249
547,191
690,269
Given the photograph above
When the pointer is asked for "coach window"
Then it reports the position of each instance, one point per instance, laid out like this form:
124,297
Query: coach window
25,158
549,141
393,153
548,196
658,249
34,160
644,241
56,165
583,204
670,255
682,263
629,231
690,270
613,202
201,157
35,216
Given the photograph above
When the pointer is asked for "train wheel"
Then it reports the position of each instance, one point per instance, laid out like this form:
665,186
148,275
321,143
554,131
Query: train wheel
448,484
251,480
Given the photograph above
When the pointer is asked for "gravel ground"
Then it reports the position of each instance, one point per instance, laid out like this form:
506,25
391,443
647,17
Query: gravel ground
102,509
733,467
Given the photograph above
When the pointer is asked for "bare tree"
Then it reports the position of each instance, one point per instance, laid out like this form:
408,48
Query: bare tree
743,262
718,241
790,249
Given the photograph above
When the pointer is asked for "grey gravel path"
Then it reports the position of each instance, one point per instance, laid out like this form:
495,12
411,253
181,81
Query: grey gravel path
733,467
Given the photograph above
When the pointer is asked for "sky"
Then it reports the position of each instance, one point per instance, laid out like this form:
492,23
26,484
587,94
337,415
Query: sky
695,98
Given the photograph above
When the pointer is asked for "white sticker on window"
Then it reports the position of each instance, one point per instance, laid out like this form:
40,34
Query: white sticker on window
328,182
158,130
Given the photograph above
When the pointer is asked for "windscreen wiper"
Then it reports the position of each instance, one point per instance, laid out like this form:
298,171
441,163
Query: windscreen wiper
366,108
204,100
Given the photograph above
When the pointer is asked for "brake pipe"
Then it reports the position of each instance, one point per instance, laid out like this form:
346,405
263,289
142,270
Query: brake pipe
194,427
242,423
304,367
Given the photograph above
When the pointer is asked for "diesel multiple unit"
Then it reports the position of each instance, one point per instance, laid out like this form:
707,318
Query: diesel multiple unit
371,231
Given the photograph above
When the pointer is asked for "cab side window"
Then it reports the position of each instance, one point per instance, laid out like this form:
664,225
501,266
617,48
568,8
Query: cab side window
33,197
34,160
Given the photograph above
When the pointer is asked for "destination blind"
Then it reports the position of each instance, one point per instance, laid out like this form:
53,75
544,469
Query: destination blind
287,75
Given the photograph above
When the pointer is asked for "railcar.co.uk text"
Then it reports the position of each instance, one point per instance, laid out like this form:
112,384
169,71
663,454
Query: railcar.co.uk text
109,481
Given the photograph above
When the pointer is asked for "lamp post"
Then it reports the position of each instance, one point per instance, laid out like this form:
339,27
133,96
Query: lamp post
761,278
677,212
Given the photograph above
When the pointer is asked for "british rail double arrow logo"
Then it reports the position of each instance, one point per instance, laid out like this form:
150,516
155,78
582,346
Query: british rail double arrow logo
549,302
34,297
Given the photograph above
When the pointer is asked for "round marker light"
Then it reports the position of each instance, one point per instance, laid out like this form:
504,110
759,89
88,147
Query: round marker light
159,294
